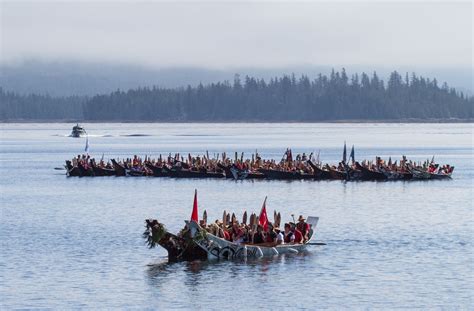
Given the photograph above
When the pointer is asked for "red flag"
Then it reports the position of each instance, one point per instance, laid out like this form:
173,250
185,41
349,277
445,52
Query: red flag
263,219
194,215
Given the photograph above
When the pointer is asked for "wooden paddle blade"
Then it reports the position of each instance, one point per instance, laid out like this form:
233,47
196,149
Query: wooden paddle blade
244,218
278,219
234,219
228,219
224,219
204,216
274,216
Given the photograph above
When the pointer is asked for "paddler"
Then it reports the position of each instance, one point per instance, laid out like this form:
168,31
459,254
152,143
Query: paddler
288,236
303,227
258,237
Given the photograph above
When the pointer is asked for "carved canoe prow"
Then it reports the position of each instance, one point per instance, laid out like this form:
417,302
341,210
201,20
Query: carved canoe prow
180,247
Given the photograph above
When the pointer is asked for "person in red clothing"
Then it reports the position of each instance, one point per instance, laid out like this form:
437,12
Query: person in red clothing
303,227
227,235
298,235
237,234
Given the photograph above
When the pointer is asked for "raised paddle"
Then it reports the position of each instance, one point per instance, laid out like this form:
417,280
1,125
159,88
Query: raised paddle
315,243
60,168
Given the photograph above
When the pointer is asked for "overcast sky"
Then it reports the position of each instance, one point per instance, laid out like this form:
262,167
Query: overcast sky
229,35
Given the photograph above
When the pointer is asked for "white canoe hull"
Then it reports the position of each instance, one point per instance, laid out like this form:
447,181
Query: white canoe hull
218,248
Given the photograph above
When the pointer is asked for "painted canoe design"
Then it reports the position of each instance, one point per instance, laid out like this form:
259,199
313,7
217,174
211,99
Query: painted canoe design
217,248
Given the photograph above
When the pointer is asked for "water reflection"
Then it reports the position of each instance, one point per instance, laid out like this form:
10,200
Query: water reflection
193,272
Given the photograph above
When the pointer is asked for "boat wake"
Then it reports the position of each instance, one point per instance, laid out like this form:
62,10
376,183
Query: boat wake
136,135
90,135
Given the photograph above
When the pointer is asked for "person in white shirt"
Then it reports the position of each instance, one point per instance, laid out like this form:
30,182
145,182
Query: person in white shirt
279,238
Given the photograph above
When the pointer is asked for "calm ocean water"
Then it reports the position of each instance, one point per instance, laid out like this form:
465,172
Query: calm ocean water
76,242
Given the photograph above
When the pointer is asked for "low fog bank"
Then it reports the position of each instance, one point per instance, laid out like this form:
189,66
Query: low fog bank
81,78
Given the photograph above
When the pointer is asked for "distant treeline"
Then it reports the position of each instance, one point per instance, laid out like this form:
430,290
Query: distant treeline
287,98
40,107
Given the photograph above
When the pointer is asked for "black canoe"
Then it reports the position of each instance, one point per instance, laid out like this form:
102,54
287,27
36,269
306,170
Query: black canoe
158,171
250,175
100,171
256,175
185,173
284,175
337,174
369,174
72,170
119,168
85,171
319,173
226,169
396,175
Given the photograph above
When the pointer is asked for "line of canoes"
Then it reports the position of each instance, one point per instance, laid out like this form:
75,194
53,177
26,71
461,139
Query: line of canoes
302,168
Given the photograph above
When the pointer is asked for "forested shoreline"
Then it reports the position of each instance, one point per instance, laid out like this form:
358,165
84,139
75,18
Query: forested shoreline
335,97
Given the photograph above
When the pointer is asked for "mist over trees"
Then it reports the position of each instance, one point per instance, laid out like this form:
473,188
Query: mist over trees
40,107
287,98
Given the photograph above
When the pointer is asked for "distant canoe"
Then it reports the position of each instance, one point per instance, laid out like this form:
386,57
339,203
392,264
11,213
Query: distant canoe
72,170
101,171
285,175
370,174
119,168
337,174
422,174
319,173
186,173
158,171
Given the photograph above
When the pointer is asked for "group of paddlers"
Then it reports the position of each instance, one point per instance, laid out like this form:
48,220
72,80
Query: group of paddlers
302,166
257,232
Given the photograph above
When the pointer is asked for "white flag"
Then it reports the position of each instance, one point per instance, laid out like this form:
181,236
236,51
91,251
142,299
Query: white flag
87,145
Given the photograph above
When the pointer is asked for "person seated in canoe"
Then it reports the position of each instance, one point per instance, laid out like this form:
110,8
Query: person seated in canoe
274,236
270,234
288,236
280,238
135,162
258,237
303,227
237,233
222,232
296,233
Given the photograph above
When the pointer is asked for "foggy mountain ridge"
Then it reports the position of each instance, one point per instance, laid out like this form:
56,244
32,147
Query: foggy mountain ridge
69,78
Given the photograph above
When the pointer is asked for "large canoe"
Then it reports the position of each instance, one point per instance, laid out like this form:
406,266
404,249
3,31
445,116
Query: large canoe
337,174
101,171
284,175
158,171
370,174
72,170
217,248
186,173
319,173
119,168
422,174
